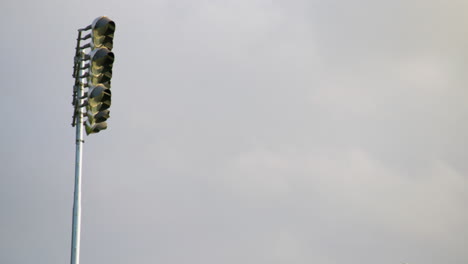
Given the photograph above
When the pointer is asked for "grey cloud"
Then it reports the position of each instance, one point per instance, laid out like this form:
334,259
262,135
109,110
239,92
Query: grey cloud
241,131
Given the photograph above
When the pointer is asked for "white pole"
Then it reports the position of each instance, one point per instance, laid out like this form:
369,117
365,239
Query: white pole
76,224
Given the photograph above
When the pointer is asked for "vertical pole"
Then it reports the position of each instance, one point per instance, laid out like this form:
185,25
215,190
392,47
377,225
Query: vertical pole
76,224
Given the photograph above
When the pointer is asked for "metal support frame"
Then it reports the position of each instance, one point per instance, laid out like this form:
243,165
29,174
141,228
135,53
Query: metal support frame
78,116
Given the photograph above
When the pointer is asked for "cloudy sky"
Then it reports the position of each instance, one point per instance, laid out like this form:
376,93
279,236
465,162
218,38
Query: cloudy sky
256,132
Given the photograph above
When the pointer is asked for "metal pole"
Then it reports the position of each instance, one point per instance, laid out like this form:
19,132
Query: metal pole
76,224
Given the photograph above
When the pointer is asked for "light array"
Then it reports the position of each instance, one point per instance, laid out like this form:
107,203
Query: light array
96,74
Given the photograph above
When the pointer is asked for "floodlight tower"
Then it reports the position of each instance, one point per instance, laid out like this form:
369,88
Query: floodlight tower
92,70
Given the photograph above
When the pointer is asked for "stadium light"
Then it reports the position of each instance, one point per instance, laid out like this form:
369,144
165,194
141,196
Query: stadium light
92,70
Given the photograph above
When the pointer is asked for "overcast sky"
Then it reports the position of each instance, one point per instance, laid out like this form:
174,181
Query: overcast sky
253,132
